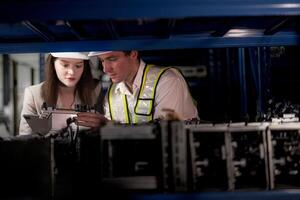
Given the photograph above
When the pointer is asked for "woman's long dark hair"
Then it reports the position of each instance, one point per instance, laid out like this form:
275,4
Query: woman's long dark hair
85,86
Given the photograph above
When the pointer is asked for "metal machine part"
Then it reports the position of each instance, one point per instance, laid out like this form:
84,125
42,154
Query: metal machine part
284,155
26,167
248,156
209,168
174,152
131,157
228,156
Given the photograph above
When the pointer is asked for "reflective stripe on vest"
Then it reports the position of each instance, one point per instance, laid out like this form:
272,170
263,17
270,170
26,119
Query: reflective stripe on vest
143,110
118,113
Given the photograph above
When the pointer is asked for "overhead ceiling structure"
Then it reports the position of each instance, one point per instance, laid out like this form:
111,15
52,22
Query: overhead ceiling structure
32,26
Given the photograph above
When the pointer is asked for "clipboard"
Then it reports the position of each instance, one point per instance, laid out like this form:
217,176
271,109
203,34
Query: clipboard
56,120
37,124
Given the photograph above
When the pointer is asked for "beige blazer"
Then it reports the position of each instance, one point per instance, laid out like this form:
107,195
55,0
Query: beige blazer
32,104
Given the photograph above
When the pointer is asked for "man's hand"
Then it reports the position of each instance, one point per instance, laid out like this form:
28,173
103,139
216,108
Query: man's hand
89,119
170,114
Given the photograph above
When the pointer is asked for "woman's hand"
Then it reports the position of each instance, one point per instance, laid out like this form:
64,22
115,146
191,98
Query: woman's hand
89,119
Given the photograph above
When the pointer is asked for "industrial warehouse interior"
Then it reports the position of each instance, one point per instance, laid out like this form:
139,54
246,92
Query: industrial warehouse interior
240,60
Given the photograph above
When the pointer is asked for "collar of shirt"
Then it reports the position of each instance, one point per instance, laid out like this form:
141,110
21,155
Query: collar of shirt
122,88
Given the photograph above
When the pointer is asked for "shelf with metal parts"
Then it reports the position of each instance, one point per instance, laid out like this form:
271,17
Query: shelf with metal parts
165,159
255,160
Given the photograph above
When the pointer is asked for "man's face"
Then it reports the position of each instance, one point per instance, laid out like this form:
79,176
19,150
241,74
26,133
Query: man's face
117,65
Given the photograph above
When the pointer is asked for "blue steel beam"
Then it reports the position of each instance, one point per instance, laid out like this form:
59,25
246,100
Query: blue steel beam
243,85
192,41
255,67
131,9
224,28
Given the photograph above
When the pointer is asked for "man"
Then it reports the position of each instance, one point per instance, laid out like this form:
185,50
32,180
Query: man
140,92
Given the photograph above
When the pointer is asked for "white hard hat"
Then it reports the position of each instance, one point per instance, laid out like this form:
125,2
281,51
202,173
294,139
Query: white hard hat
76,55
97,53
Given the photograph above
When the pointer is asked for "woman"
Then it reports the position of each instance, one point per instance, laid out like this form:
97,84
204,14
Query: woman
68,81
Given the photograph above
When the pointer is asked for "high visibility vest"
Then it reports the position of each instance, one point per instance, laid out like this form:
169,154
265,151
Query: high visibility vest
143,109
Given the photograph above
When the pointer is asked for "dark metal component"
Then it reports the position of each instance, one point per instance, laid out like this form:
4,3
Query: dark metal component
279,25
40,29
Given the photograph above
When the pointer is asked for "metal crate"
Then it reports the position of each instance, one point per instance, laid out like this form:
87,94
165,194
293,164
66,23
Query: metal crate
131,157
247,152
208,161
284,155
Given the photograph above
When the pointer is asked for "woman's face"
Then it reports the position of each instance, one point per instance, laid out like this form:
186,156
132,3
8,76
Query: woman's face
69,70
